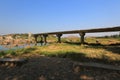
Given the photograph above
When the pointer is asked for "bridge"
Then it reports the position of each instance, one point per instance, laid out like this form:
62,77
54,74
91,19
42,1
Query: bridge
80,32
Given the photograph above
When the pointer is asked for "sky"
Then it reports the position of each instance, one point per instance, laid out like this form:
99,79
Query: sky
38,16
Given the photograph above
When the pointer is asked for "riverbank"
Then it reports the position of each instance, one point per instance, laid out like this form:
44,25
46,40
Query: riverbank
57,61
84,53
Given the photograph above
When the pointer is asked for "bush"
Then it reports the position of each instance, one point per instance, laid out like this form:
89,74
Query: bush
2,53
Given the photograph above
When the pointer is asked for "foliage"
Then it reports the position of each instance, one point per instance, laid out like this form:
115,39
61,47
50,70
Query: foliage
75,51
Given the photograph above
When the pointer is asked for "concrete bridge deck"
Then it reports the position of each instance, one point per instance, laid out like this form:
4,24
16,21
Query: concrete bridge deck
112,29
80,32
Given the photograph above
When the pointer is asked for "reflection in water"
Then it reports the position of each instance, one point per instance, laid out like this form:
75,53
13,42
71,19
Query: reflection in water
2,48
7,47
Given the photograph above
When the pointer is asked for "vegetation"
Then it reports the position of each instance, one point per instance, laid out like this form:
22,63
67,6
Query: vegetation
107,50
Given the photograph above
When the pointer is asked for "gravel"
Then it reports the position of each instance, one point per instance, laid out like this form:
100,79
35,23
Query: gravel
51,68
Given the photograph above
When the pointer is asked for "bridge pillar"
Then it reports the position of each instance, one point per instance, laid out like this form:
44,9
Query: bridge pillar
35,36
82,34
45,38
41,40
59,37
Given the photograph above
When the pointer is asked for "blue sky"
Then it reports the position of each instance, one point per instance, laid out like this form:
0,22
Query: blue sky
36,16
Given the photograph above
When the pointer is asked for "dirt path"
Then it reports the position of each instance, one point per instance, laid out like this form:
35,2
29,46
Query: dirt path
45,68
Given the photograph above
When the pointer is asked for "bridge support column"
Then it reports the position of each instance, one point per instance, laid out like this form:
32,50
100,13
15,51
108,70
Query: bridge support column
41,41
35,36
45,38
82,34
59,37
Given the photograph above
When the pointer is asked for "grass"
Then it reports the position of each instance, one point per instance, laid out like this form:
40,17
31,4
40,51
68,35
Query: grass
71,50
77,52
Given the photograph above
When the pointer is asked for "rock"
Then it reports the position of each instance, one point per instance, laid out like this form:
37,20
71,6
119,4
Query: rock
85,77
42,77
77,69
53,77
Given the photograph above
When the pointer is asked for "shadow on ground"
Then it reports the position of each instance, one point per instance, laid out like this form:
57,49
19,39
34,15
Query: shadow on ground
115,48
52,68
81,57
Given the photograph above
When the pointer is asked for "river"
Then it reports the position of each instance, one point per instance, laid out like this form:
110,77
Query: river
7,47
